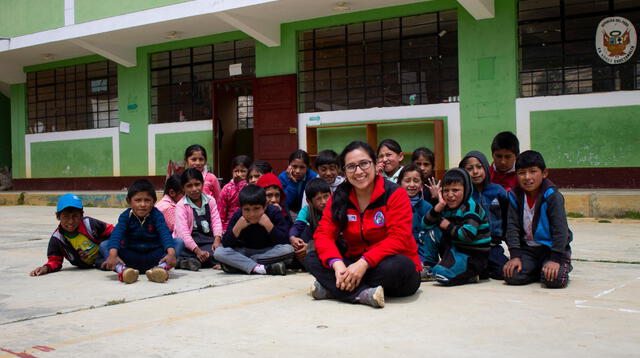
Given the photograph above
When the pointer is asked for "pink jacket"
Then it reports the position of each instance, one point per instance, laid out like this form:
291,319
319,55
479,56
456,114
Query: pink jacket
211,185
184,222
229,203
167,207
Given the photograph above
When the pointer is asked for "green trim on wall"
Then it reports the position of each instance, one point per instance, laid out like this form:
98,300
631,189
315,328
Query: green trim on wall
23,17
173,145
82,158
89,10
18,129
587,138
64,63
281,60
488,75
5,131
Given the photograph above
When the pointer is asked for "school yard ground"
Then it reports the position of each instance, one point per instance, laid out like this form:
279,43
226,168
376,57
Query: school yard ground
76,313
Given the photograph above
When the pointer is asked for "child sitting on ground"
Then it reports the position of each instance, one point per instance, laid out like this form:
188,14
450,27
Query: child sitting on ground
301,233
256,240
167,205
275,195
504,150
328,169
77,238
493,199
195,156
424,159
538,235
141,241
228,203
464,243
410,178
197,224
258,169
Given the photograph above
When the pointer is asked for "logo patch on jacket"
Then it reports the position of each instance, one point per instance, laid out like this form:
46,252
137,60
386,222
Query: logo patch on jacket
150,228
352,217
378,218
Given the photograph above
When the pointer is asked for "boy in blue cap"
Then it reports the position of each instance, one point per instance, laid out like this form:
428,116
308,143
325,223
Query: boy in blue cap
77,237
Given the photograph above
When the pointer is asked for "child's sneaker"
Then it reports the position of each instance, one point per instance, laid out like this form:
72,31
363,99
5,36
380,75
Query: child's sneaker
318,292
373,297
128,275
157,274
426,274
279,268
191,264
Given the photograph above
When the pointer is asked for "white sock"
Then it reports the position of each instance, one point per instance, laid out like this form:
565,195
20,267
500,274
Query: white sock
260,270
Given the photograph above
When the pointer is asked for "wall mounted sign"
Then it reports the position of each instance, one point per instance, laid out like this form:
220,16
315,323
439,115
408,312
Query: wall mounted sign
616,40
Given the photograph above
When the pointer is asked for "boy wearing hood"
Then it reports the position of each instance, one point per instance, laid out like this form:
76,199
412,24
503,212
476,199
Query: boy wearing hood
493,199
276,195
466,235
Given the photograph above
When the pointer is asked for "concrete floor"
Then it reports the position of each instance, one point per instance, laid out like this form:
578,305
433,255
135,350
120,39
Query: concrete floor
76,313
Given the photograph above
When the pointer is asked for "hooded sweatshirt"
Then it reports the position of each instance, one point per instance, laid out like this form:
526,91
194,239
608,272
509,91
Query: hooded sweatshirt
492,197
468,224
270,179
295,190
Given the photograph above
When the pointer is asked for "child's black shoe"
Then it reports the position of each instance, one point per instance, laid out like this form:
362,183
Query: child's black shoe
279,268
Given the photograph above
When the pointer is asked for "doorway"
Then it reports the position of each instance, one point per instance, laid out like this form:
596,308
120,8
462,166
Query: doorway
232,101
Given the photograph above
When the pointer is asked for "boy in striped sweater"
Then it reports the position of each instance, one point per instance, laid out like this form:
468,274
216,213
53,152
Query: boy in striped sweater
466,235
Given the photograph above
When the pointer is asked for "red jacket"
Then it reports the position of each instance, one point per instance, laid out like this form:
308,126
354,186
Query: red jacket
508,180
382,230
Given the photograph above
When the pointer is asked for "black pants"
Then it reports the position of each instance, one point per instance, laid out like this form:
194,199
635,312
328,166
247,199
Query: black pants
210,262
396,274
533,259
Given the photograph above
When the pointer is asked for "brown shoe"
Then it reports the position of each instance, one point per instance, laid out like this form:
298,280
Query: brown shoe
157,274
129,275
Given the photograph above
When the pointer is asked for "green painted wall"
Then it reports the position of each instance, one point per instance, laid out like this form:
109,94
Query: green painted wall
30,16
5,131
82,158
281,60
588,138
487,60
172,146
18,129
89,10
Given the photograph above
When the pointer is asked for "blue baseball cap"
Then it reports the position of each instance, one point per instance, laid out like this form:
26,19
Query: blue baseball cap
69,201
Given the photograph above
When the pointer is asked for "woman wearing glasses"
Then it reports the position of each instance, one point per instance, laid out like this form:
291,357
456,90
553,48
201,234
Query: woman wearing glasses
364,245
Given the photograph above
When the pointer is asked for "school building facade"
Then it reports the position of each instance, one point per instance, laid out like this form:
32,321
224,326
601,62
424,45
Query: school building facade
94,93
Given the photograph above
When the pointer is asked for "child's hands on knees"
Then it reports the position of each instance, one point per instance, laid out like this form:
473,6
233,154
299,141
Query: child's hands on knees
201,254
42,270
299,246
217,242
512,267
550,270
170,258
111,262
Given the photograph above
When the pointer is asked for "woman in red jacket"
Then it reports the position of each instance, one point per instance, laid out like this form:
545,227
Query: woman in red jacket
364,245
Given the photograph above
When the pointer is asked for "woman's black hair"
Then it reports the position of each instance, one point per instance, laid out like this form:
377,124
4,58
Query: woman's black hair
300,154
391,144
174,182
191,173
424,152
341,195
195,148
407,169
261,166
141,186
243,160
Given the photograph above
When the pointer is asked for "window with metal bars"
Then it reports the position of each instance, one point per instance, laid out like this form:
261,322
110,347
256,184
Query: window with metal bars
73,97
391,62
557,47
181,79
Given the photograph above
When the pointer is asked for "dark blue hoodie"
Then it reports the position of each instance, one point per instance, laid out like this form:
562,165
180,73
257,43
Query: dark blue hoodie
492,197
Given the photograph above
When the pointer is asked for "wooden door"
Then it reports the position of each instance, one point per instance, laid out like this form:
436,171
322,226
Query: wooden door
275,120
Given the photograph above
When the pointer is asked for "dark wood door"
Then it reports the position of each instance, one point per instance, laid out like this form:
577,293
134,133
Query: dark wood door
275,120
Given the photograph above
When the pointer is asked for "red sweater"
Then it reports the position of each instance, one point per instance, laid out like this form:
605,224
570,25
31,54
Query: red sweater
383,229
508,180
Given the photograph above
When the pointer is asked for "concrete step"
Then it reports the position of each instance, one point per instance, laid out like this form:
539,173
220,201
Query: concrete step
605,203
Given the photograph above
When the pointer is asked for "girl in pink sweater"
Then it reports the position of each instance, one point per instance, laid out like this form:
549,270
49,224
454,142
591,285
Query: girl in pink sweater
197,224
228,203
172,194
195,156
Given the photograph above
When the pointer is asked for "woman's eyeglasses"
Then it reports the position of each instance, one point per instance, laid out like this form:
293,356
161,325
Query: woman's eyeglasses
364,165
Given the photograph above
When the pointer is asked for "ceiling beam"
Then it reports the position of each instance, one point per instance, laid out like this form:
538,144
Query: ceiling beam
263,30
479,9
123,55
11,73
